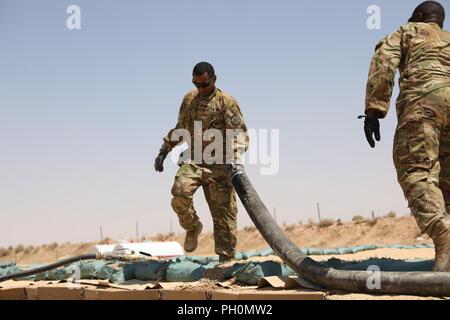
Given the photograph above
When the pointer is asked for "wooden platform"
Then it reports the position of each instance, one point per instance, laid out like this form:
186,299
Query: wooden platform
96,290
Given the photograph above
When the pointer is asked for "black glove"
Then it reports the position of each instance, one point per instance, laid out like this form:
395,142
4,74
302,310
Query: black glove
159,161
371,127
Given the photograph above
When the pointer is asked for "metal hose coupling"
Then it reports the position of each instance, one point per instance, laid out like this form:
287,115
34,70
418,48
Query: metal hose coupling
235,169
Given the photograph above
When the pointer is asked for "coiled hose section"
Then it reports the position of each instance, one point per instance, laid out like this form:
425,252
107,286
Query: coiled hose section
415,283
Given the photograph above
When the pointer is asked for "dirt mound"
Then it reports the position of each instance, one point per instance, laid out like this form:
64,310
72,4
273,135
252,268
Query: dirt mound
328,234
383,231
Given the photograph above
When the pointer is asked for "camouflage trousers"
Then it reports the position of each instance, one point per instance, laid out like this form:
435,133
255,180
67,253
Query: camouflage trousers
421,156
221,199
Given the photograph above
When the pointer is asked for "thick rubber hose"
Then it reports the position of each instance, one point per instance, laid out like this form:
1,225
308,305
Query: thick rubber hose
60,263
416,283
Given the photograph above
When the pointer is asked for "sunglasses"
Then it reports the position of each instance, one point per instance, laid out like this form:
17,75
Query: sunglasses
203,84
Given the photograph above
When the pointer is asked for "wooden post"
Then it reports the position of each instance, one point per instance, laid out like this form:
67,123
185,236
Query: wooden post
137,232
318,211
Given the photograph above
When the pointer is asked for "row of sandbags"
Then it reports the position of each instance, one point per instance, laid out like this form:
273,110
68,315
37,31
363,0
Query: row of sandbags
192,268
187,270
178,270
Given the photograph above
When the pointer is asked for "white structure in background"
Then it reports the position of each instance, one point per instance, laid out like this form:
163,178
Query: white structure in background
167,249
102,248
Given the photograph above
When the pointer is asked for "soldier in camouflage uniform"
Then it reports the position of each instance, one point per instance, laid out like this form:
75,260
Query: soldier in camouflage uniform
421,153
204,110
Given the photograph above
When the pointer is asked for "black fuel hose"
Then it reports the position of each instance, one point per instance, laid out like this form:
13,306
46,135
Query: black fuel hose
416,283
60,263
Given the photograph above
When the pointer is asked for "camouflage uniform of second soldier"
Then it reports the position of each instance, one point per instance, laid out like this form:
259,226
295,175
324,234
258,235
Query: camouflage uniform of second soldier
218,111
421,153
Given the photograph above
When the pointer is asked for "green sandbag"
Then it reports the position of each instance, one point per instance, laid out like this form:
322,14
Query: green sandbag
202,259
55,274
121,275
106,272
395,246
152,270
58,274
304,251
249,254
6,264
250,273
330,251
239,256
230,271
287,271
9,269
358,249
266,252
100,269
185,271
315,251
344,250
384,264
90,269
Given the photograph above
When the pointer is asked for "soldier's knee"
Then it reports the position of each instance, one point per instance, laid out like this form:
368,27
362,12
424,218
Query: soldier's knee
425,196
180,203
414,189
417,179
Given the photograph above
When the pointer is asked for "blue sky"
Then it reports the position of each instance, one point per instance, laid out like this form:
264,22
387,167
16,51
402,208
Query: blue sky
83,112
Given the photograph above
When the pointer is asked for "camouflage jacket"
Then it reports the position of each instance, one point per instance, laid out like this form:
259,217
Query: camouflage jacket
421,51
215,113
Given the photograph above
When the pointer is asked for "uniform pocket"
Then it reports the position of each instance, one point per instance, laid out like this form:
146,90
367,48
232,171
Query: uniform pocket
401,150
416,142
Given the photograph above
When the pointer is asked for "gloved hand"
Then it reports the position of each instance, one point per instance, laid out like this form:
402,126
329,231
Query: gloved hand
371,127
159,161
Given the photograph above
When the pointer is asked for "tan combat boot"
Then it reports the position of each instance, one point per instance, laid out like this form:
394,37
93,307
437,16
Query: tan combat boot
441,239
191,240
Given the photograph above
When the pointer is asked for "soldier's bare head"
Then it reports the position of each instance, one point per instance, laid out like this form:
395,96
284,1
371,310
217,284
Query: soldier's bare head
429,11
204,78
